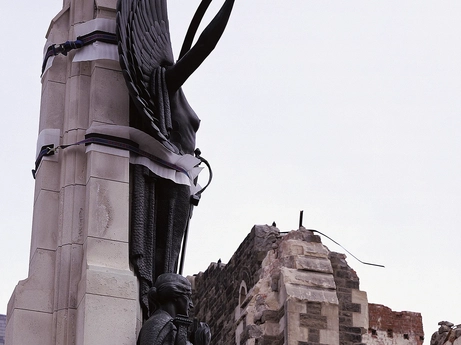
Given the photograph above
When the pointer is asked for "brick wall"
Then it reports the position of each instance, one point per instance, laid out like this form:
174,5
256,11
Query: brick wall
387,327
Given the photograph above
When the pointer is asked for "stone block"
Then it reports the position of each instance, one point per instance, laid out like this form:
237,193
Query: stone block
47,137
108,163
108,64
72,215
62,278
108,282
107,209
53,105
330,337
47,177
109,99
82,68
36,292
65,322
316,264
57,31
79,101
296,247
315,249
314,336
82,11
106,254
313,321
309,294
45,221
57,72
68,273
294,306
106,4
308,279
331,334
73,159
360,319
331,311
29,327
292,328
106,320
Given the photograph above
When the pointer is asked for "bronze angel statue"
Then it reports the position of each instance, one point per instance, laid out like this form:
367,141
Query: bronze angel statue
161,206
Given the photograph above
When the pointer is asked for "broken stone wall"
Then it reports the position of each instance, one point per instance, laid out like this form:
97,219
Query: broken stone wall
289,289
282,288
223,287
353,303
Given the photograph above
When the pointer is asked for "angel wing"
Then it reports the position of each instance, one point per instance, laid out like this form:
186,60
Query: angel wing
145,50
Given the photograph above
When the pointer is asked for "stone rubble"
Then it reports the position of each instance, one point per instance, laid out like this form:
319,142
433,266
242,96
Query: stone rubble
447,334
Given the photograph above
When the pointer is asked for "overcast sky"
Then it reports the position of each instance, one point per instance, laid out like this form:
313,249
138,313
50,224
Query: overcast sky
348,110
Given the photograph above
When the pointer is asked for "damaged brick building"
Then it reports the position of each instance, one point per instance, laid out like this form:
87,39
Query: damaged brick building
288,288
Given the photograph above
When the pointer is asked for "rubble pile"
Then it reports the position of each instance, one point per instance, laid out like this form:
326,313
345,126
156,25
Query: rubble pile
448,334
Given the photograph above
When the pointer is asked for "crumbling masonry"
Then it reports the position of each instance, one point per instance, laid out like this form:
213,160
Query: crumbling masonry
289,289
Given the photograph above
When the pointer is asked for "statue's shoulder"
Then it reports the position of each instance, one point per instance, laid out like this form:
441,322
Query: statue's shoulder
158,329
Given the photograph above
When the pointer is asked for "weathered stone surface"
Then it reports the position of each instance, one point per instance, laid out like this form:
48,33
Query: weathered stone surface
447,334
313,264
35,293
360,319
52,103
79,99
45,222
73,159
106,320
106,253
45,177
71,215
25,325
65,322
290,247
68,270
108,163
109,98
292,301
300,292
109,282
107,209
315,279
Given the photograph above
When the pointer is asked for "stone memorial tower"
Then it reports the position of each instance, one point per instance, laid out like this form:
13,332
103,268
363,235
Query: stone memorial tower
80,289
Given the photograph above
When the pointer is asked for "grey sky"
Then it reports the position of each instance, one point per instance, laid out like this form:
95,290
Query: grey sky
348,110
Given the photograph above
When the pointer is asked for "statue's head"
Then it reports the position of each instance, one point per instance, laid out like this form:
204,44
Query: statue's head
173,292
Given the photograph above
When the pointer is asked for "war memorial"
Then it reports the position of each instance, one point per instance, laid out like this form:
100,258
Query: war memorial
116,180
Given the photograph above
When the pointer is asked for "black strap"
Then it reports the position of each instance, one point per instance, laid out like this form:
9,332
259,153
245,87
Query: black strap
111,141
64,48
